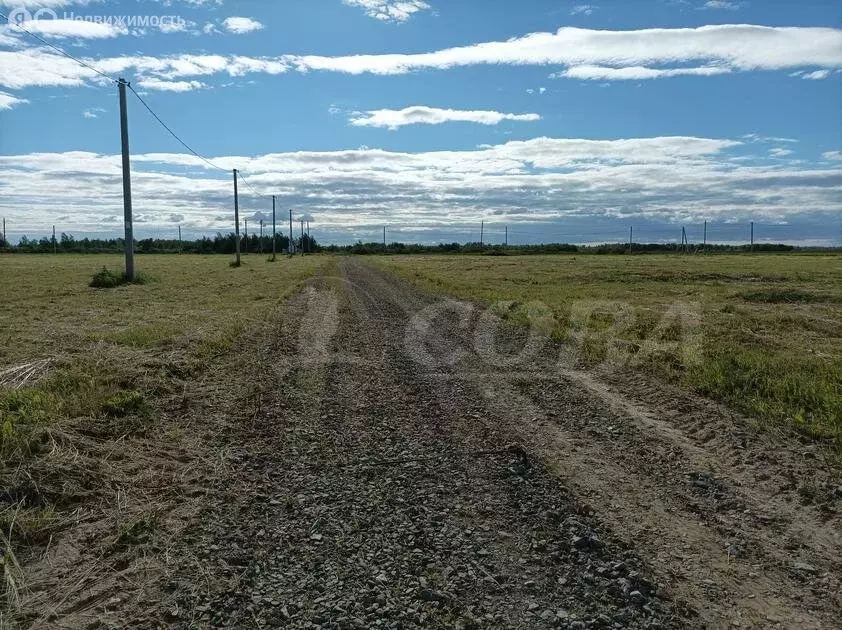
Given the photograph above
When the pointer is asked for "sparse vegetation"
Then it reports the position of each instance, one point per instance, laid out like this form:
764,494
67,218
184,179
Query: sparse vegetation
116,361
771,326
107,279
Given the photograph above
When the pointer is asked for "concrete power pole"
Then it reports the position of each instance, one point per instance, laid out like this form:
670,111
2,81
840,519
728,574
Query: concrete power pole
274,234
127,183
236,221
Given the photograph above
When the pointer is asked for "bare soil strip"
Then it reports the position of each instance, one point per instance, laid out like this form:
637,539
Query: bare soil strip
385,469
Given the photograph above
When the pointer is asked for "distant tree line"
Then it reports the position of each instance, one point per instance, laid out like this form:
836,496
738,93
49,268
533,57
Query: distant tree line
225,244
544,248
219,244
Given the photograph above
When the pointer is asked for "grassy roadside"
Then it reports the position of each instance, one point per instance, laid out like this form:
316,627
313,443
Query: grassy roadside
769,342
105,365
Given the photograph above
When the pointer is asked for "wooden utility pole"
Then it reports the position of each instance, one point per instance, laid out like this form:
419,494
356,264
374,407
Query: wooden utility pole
481,233
4,231
127,183
384,236
506,238
631,238
291,246
55,245
752,236
705,237
684,242
260,243
179,239
246,235
236,220
304,247
274,233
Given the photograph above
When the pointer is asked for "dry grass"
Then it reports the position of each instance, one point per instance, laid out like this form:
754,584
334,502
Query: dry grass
90,378
771,325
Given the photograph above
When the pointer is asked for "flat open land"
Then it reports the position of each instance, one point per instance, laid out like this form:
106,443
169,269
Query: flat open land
423,442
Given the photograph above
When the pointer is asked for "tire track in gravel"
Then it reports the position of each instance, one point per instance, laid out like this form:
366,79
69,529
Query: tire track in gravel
744,557
367,496
377,488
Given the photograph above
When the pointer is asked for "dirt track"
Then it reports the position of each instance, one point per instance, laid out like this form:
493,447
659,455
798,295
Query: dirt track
397,471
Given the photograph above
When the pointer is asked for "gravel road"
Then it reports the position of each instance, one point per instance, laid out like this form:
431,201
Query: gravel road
411,464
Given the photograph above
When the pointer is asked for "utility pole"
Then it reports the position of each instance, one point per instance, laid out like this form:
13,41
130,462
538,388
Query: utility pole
179,239
260,243
4,231
54,239
309,243
705,237
384,236
274,234
684,242
506,239
127,183
481,233
631,238
246,240
236,220
752,236
291,246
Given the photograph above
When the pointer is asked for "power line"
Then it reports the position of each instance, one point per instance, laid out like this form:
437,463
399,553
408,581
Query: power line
172,133
57,49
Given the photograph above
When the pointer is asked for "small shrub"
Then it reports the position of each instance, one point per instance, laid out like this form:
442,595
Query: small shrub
107,279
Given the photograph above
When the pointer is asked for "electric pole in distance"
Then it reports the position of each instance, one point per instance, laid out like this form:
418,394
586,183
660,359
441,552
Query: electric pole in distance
236,221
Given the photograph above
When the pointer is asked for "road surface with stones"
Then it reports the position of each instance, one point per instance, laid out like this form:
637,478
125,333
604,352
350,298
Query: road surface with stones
413,464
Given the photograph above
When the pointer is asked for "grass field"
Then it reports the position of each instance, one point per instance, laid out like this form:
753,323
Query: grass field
771,325
104,359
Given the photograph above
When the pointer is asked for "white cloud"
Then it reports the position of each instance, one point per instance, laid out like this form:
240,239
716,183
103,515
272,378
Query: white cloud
736,46
240,25
779,152
728,5
8,101
94,112
170,86
543,179
832,155
816,75
603,73
390,10
62,29
583,9
420,114
603,55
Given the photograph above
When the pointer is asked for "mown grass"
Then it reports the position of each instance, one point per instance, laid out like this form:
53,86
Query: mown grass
769,342
114,354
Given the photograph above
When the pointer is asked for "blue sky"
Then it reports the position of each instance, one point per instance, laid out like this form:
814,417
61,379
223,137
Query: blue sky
561,120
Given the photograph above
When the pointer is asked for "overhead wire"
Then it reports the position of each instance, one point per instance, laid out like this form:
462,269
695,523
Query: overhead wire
139,97
58,49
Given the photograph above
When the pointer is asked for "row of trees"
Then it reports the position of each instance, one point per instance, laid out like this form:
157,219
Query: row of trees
219,244
226,244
